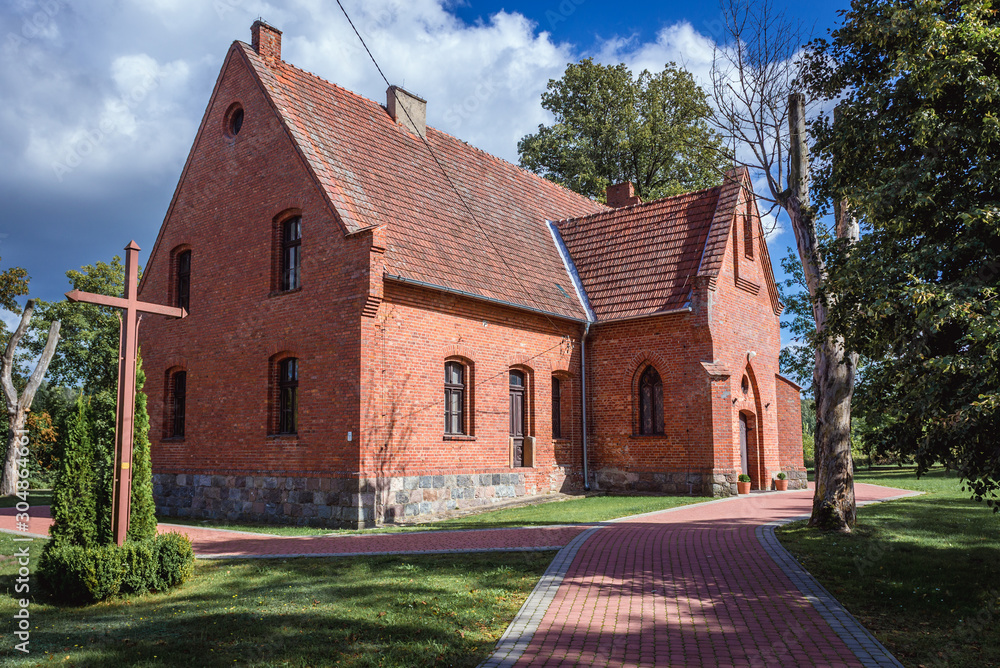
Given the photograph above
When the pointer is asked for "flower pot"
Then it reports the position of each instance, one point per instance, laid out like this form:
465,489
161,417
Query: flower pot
781,485
743,487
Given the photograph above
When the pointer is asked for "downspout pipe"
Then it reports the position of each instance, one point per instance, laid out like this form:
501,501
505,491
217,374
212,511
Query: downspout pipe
583,402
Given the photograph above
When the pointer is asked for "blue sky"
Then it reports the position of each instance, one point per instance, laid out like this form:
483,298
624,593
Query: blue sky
102,99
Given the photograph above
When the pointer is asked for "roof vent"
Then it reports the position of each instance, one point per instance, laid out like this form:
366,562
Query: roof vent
266,41
622,194
407,110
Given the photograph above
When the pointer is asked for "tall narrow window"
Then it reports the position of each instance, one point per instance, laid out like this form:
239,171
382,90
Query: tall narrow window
454,398
556,408
184,280
288,391
291,253
650,402
178,396
748,236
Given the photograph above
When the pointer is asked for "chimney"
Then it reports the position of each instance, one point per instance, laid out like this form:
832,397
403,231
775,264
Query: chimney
622,194
266,41
407,110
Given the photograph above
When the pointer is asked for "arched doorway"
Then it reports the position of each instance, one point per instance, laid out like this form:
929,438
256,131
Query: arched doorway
750,459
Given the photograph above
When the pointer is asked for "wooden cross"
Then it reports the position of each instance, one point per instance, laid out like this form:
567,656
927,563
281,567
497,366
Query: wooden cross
127,351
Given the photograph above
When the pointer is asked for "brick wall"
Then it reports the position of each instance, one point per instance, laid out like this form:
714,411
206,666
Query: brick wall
790,432
747,340
232,194
618,353
415,331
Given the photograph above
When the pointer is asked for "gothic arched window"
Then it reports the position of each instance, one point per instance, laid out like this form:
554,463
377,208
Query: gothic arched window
650,402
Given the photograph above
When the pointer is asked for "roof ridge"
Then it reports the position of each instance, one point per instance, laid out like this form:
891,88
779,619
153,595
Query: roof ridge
703,192
570,191
530,173
284,64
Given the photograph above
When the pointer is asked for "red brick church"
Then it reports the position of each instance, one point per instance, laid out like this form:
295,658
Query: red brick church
386,322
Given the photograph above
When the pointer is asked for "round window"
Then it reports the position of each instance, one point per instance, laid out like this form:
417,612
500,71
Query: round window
234,119
745,385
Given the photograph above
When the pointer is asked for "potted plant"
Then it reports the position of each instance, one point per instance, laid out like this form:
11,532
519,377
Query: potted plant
781,482
743,484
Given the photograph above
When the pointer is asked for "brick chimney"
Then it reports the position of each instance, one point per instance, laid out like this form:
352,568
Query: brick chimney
407,109
266,41
622,194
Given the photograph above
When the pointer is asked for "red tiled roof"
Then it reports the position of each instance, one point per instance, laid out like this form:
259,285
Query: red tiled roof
640,259
374,172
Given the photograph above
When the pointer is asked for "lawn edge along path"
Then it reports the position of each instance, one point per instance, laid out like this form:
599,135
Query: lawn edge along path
861,641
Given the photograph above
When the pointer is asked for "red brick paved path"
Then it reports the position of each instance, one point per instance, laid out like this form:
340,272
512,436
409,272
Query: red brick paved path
688,587
209,543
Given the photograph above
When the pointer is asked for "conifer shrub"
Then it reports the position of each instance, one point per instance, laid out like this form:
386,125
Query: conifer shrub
175,560
76,574
141,570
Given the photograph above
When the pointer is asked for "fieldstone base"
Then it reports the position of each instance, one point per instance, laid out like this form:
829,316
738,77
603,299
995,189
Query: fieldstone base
330,502
414,496
797,479
700,484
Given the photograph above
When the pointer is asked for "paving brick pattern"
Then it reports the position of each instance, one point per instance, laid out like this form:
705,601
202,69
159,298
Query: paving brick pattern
693,586
220,544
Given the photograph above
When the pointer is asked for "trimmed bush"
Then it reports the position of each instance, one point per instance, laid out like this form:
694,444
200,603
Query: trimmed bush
175,559
76,574
65,571
141,570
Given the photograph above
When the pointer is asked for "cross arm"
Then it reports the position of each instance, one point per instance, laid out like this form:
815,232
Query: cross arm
118,302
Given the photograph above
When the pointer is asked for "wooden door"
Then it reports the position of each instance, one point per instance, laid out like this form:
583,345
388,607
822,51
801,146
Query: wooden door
744,467
517,416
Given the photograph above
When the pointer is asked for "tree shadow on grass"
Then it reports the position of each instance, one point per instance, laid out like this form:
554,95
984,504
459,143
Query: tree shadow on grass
369,611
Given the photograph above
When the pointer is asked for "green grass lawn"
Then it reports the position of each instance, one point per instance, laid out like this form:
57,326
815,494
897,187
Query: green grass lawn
368,611
921,573
572,511
36,497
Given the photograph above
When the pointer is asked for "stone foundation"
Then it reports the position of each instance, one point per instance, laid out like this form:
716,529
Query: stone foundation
330,502
694,484
797,479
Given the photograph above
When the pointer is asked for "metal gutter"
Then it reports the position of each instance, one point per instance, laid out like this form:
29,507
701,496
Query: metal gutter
574,276
673,311
472,295
583,403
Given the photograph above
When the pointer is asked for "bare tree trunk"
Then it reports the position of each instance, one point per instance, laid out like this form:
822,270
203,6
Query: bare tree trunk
18,406
833,502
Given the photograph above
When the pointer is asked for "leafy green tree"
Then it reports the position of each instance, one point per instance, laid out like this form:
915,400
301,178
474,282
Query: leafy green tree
797,360
88,352
915,150
611,127
13,284
74,507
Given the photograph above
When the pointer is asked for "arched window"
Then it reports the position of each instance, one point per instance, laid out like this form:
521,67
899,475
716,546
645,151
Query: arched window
183,274
288,395
556,408
178,399
174,403
650,402
454,398
291,253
